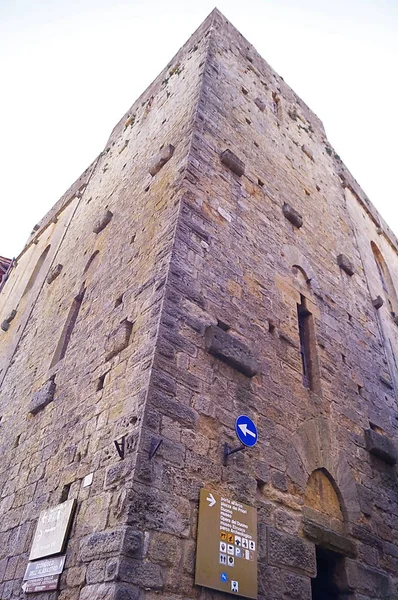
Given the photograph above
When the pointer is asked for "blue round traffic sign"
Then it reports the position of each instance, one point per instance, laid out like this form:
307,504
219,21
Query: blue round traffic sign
246,431
224,577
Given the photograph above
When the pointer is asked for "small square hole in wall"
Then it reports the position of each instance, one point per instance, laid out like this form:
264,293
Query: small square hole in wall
248,121
119,301
132,239
65,493
17,441
147,188
376,428
343,358
223,325
101,381
260,486
360,390
260,182
271,326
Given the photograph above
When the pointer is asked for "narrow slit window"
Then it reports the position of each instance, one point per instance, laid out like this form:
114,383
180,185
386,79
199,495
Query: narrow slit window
36,271
68,327
304,318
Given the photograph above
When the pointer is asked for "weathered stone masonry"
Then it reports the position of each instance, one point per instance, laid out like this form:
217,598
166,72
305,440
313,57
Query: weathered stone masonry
217,258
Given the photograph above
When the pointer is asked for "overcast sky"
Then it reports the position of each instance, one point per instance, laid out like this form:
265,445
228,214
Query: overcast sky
71,68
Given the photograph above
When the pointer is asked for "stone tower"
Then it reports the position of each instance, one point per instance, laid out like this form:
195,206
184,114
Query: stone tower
216,259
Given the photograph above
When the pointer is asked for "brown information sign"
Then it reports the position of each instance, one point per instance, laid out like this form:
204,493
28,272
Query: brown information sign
52,530
45,567
226,552
44,584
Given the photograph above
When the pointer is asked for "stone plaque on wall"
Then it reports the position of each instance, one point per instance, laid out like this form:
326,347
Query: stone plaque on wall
226,553
52,530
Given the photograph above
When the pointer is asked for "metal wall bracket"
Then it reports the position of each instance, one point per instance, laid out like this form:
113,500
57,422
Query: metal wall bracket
121,446
228,451
155,445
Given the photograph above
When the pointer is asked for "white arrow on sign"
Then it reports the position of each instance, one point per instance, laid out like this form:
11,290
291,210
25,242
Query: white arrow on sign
246,431
211,500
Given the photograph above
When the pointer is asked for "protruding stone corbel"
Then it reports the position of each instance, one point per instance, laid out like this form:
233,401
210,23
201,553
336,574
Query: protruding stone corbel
345,264
292,215
53,274
103,222
378,302
230,160
161,159
230,350
381,446
42,397
307,152
6,323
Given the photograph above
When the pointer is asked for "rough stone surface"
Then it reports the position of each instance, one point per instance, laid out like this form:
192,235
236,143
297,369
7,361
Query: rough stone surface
192,246
291,551
232,351
381,446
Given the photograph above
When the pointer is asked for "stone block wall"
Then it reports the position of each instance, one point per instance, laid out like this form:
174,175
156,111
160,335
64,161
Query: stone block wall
77,356
229,210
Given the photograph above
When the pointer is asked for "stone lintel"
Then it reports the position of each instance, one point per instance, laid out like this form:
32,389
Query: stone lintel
329,540
230,350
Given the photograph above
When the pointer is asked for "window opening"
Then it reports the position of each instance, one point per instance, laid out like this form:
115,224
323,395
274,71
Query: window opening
303,316
68,327
385,279
36,271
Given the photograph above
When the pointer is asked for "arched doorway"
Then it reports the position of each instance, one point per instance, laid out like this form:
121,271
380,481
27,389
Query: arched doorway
325,524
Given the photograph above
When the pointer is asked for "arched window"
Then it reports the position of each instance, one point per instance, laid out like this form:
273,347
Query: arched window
386,280
36,271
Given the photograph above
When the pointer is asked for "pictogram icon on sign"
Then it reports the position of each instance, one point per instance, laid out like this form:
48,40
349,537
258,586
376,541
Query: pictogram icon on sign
245,543
246,430
231,561
234,586
238,541
211,500
223,536
223,559
231,538
252,545
231,549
